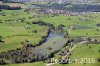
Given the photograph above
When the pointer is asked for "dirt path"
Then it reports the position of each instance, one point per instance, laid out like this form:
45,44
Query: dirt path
70,49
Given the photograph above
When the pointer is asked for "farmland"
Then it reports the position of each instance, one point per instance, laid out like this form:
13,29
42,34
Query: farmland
83,51
13,35
30,37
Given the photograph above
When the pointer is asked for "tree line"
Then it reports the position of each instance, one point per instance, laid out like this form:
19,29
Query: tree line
25,54
44,24
9,8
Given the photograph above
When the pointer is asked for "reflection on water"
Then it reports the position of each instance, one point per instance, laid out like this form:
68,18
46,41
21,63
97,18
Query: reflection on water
55,34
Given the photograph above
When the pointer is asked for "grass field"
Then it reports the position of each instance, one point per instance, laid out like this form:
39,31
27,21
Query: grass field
12,29
13,32
83,51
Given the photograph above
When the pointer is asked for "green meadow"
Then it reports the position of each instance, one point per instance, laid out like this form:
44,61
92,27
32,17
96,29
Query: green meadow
83,51
13,32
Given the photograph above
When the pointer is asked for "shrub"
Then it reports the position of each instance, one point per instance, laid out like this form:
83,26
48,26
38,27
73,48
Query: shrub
34,31
98,59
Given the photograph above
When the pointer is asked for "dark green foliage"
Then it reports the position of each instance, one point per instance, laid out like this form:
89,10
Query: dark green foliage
9,8
97,29
20,55
60,27
34,31
25,54
98,59
2,62
0,10
98,50
44,24
89,46
1,39
98,25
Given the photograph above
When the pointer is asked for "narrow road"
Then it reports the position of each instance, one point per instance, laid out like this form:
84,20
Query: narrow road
70,49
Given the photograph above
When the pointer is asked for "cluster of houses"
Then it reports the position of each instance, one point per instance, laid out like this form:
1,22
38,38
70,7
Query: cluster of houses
57,12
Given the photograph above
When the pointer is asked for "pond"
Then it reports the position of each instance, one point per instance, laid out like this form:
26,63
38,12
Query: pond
54,34
55,41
